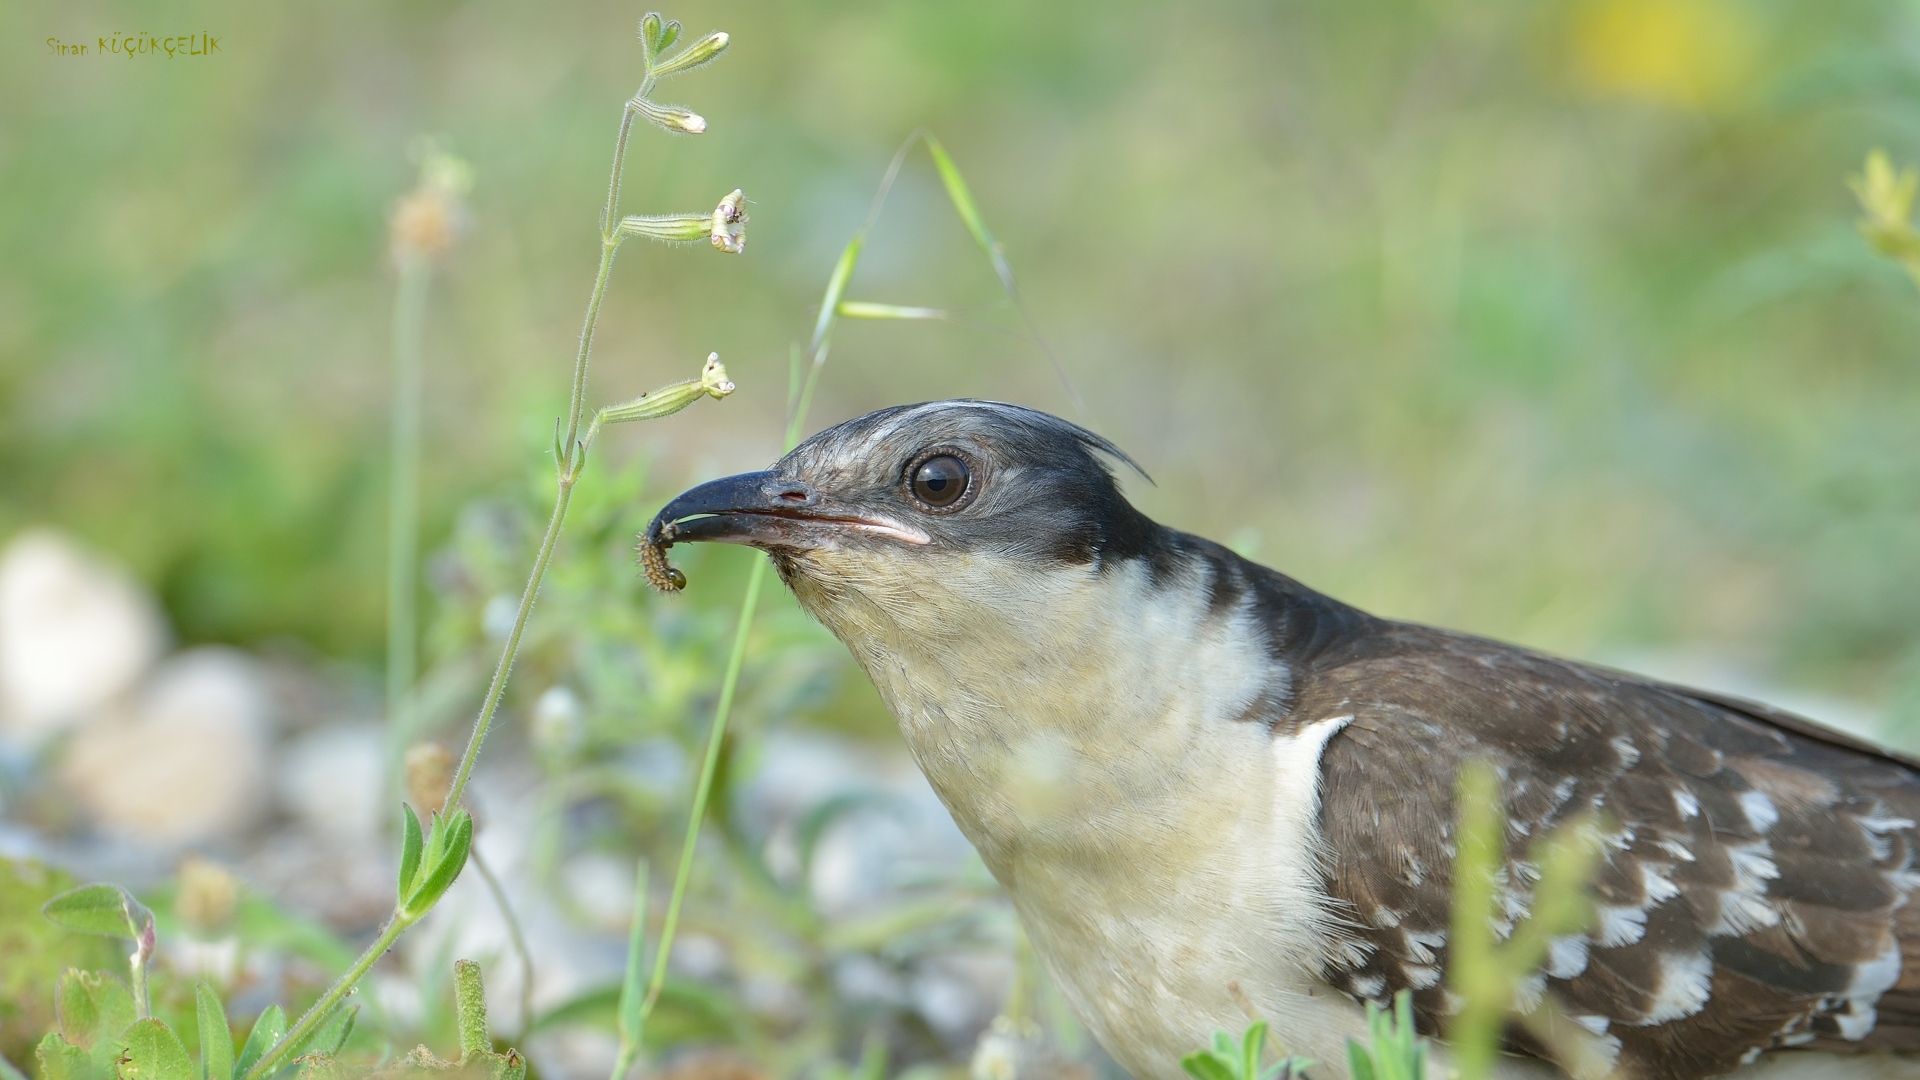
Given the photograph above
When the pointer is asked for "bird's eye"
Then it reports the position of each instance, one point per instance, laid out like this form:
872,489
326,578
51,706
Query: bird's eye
939,481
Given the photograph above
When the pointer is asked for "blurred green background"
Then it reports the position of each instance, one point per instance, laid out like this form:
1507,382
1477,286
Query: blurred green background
1546,321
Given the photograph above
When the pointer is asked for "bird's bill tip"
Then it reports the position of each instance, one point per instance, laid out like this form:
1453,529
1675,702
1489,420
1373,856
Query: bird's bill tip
764,510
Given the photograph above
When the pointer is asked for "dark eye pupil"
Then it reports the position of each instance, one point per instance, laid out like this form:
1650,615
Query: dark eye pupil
940,481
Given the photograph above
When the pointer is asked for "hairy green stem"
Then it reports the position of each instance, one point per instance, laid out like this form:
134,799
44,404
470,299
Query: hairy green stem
573,458
336,993
567,470
512,648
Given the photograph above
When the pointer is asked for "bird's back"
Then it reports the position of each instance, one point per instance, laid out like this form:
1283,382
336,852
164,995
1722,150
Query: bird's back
1753,893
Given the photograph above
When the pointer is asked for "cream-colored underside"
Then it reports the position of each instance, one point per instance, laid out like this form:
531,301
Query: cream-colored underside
1086,734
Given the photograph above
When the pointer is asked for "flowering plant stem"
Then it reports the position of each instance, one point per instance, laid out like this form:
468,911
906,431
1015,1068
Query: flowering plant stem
799,399
570,457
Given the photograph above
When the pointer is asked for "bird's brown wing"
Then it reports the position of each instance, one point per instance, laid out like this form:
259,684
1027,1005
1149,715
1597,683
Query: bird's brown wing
1754,891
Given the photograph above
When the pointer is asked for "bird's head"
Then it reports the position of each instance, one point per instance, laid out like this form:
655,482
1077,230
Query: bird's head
934,507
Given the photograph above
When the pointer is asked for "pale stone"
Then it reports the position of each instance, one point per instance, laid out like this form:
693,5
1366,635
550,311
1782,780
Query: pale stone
333,779
185,760
75,633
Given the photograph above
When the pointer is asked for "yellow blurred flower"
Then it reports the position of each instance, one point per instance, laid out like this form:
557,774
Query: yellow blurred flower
1688,54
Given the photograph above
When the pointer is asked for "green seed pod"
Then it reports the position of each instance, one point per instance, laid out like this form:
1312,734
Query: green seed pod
699,54
671,117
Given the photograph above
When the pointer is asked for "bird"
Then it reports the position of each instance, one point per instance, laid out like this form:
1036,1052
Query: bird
1212,792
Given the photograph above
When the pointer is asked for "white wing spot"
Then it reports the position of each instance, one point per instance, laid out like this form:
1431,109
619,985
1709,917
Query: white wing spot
1687,804
1744,907
1596,1024
1370,987
1686,981
1629,753
1420,946
1528,992
1420,977
1653,877
1386,917
1878,823
1759,810
1676,848
1567,957
1619,925
1411,870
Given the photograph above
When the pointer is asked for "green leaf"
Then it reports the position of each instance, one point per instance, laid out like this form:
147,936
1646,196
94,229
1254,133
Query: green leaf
1359,1061
266,1031
330,1034
10,1071
962,199
1205,1065
61,1060
409,849
154,1053
1254,1041
836,285
94,1009
216,1038
444,860
669,34
108,910
633,984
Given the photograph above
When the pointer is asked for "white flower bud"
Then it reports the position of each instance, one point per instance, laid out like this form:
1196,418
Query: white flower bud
671,117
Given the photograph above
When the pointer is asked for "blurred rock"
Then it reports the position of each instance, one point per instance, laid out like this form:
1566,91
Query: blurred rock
333,779
75,633
558,722
601,887
885,827
574,1052
1007,1052
959,993
185,761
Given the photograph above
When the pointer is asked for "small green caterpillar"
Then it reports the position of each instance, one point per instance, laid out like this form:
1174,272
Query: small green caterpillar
661,574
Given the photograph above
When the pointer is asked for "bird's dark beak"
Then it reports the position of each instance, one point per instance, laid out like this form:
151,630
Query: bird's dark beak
764,510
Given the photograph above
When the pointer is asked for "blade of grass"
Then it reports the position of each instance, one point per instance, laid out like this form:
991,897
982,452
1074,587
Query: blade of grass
631,1012
862,309
403,523
961,196
514,935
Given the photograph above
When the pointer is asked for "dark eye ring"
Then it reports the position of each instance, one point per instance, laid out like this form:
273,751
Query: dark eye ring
939,481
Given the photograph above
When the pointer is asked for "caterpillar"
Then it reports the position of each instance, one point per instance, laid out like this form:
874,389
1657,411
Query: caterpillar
661,574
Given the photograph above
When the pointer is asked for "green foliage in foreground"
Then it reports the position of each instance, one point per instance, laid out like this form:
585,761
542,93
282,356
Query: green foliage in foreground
1395,1051
99,1038
1228,1060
